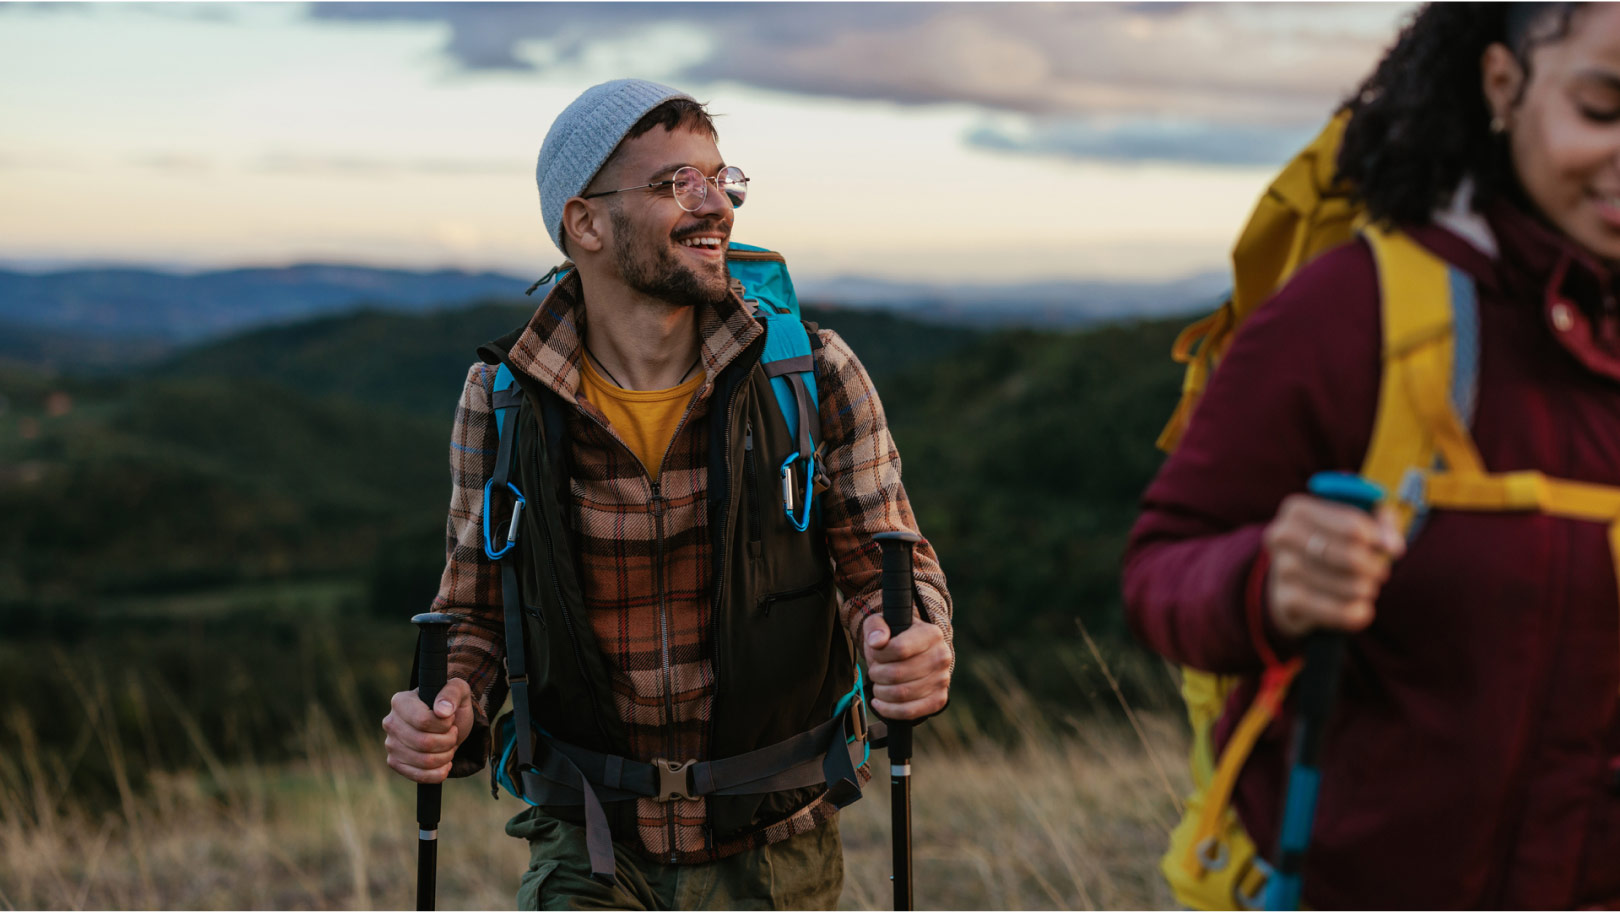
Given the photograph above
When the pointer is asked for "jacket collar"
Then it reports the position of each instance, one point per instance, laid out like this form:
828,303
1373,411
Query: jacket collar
1576,291
550,347
1529,263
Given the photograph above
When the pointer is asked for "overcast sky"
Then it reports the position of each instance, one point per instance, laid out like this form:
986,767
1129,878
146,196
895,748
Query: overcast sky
907,141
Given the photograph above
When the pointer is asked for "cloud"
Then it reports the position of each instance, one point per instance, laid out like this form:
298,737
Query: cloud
1102,139
1266,64
177,164
285,163
43,160
205,12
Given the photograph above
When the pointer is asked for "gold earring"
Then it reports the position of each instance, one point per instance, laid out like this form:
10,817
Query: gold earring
1498,124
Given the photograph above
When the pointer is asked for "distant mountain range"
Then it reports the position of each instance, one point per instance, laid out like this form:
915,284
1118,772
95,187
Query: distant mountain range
1051,304
148,311
182,308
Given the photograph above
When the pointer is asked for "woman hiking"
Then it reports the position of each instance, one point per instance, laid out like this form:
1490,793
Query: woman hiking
1473,756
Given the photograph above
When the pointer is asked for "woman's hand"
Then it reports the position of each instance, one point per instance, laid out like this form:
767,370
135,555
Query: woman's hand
1328,563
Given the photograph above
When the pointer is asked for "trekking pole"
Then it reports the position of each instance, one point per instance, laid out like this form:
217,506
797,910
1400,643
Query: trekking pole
1324,655
432,648
897,614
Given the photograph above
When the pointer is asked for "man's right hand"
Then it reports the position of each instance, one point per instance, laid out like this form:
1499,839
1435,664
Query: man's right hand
422,740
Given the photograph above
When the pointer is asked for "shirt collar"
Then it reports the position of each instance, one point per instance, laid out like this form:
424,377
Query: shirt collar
550,347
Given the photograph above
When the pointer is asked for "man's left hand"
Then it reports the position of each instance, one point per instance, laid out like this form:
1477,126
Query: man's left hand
911,673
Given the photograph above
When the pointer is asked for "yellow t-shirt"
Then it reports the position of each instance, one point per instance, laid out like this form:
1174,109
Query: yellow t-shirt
644,419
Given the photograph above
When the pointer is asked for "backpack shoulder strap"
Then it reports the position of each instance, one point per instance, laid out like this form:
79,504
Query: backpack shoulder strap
790,364
506,396
1431,361
789,361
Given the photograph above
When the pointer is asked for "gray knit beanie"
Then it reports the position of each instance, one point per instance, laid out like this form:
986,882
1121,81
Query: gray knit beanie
584,135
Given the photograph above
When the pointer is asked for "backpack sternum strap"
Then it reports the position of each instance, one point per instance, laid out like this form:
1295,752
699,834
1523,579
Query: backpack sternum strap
1529,492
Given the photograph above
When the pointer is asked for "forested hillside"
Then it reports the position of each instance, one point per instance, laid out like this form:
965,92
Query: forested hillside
282,494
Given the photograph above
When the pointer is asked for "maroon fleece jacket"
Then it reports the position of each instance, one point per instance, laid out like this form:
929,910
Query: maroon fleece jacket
1472,757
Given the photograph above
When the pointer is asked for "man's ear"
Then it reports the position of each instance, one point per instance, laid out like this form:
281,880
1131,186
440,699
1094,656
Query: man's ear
585,226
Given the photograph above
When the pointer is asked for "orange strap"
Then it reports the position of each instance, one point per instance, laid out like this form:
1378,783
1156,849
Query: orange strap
1273,688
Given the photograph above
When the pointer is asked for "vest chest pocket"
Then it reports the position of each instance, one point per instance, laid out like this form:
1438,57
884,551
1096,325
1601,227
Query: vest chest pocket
786,597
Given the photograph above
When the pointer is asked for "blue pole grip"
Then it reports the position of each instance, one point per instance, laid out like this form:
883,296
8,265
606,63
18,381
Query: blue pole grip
1345,488
1324,654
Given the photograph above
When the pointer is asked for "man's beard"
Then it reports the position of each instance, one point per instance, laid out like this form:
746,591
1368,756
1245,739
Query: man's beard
658,274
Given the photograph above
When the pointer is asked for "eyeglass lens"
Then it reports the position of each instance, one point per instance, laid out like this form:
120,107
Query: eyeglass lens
691,187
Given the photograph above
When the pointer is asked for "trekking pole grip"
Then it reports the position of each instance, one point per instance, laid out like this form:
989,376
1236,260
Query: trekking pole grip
432,655
896,581
1324,651
1318,682
896,587
432,661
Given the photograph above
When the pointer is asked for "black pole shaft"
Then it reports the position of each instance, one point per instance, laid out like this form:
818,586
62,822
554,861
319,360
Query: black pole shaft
897,586
431,664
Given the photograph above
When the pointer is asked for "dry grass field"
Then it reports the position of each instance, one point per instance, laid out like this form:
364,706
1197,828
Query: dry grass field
1068,815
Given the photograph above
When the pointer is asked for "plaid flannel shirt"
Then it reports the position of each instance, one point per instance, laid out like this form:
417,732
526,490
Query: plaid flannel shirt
655,638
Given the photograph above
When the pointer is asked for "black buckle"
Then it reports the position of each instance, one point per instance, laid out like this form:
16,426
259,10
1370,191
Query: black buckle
674,779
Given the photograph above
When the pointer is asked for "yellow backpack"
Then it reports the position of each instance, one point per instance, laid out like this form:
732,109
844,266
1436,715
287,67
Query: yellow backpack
1420,452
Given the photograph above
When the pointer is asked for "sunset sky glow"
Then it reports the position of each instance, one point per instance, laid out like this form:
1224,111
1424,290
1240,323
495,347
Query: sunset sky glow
906,141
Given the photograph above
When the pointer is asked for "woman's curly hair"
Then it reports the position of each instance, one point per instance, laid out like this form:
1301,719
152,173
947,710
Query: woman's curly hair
1420,123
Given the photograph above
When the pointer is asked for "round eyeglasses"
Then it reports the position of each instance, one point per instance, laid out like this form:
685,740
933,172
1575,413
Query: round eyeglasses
691,188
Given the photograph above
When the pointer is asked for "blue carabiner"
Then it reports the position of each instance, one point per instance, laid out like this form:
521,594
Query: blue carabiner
511,526
799,525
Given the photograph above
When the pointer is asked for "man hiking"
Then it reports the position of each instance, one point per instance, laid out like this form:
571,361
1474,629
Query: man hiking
686,659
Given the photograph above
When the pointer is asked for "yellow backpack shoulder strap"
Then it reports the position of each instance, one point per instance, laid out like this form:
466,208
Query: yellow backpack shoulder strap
1303,213
1421,447
1430,353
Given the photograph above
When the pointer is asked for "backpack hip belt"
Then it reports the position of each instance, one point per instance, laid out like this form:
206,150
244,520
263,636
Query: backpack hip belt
569,775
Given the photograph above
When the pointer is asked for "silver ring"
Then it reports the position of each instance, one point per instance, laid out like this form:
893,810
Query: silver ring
1316,546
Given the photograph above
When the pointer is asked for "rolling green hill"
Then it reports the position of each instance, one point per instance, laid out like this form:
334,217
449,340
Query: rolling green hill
117,487
251,510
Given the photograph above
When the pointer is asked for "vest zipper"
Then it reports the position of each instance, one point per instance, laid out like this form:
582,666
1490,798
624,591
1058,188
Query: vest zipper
657,504
750,481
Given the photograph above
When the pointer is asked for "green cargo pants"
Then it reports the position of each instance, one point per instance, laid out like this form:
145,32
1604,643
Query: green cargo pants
803,872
